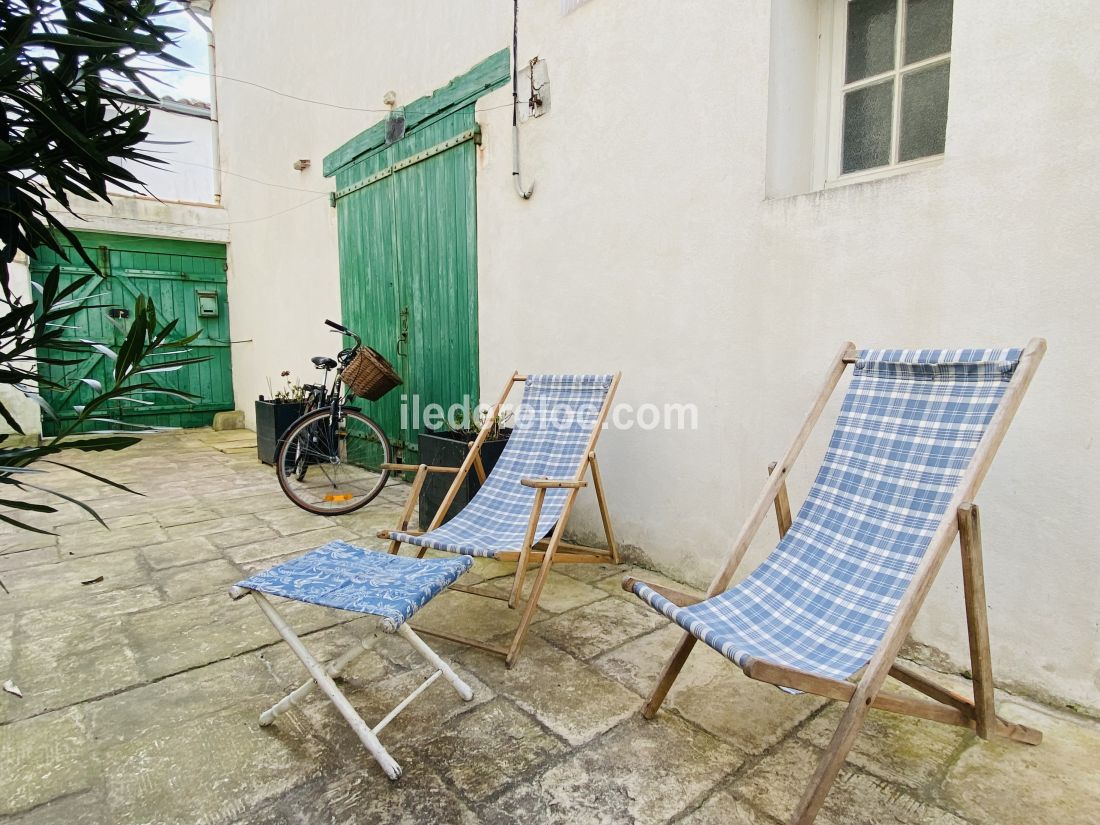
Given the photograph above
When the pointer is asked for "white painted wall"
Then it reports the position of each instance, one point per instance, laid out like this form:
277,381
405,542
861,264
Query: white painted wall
650,246
25,411
185,143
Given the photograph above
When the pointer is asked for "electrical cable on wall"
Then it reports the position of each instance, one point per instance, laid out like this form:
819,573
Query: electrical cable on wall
524,193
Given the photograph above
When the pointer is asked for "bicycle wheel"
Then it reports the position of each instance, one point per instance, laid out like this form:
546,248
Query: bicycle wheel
343,463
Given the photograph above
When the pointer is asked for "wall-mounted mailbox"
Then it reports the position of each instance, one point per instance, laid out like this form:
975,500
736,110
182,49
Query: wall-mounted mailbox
208,304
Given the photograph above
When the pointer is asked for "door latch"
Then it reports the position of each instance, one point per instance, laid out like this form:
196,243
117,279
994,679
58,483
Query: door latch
403,335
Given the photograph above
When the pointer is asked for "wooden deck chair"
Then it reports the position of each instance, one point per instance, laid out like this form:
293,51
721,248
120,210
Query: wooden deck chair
522,509
915,436
345,577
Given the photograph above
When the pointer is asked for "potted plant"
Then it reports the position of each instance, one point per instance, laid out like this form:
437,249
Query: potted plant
274,416
448,448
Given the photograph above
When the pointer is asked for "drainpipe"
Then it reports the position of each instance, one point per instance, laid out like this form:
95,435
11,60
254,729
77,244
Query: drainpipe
215,138
516,179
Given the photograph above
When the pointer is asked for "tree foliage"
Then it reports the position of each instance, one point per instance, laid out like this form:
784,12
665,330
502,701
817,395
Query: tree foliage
67,126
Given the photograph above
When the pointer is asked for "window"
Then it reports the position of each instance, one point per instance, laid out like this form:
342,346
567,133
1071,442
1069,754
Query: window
890,76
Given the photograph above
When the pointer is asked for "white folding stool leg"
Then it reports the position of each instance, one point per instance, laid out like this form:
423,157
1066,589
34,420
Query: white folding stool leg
328,687
432,658
333,669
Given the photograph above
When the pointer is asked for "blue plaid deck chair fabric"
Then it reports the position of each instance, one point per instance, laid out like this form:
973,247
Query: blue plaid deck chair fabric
818,608
541,469
342,576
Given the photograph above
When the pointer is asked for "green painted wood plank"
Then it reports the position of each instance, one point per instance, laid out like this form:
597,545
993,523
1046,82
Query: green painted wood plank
140,243
489,74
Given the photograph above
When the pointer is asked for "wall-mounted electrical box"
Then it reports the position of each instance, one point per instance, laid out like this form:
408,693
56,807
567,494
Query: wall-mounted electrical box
208,304
534,85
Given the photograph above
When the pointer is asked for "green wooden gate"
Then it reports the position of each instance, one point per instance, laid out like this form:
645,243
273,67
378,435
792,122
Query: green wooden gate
407,218
175,274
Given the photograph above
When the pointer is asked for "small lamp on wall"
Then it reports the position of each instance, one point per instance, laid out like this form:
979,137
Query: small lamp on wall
302,164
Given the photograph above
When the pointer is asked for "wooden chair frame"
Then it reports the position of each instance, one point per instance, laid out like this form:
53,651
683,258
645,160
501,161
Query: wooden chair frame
544,553
947,706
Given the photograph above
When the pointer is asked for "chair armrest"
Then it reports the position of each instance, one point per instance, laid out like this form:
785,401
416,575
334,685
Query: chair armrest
546,483
412,468
675,596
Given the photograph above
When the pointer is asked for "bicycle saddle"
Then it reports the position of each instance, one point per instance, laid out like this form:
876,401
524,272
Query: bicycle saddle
322,362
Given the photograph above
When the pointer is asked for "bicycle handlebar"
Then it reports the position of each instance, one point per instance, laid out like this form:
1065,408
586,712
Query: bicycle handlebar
345,331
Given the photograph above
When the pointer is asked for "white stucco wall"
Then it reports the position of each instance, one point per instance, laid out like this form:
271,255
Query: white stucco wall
650,246
185,143
25,411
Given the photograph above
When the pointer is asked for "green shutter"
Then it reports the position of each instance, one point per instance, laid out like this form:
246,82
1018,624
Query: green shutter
172,273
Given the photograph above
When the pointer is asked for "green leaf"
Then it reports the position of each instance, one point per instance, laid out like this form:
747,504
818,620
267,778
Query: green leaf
24,526
96,445
30,506
129,354
82,471
69,499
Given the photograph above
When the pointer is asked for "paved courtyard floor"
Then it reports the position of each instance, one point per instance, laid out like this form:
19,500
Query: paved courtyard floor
142,683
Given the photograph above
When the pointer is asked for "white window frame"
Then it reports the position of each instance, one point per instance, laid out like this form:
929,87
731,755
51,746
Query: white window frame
833,34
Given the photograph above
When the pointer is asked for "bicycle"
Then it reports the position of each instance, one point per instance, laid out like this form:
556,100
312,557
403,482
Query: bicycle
331,459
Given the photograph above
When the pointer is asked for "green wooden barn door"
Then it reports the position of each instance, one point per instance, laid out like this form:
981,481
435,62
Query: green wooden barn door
175,274
368,281
436,230
407,221
408,268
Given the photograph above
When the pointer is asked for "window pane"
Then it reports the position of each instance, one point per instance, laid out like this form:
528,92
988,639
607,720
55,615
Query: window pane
867,115
927,29
924,112
870,48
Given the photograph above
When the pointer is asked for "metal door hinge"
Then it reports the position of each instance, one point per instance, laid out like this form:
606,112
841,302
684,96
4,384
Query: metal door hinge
473,134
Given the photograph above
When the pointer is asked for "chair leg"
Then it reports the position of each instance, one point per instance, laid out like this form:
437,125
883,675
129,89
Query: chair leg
410,504
536,590
333,669
328,687
830,764
672,669
605,515
433,659
977,619
525,553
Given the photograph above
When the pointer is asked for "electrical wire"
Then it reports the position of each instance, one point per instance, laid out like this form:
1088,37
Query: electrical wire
312,101
272,215
171,161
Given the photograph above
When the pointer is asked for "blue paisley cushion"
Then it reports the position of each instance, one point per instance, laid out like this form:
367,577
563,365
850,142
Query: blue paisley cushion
346,577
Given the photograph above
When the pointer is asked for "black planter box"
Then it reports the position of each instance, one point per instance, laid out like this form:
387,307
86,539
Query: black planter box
273,419
449,449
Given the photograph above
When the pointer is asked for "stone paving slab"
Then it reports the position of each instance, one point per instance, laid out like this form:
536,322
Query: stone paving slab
711,691
44,758
142,689
1058,781
775,785
643,772
572,699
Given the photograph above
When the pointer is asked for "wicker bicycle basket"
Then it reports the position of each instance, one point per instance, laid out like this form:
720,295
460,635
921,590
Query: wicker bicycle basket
369,375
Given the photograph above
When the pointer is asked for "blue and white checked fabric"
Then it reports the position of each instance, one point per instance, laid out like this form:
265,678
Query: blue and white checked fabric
553,428
822,601
341,575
